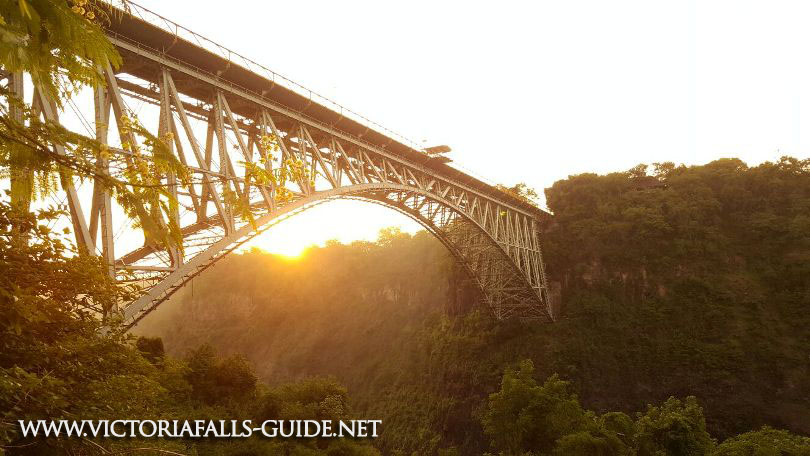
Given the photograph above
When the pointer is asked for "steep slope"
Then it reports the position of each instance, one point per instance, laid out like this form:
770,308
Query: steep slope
682,281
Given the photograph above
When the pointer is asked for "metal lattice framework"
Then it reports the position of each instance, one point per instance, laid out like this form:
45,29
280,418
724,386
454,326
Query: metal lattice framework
217,111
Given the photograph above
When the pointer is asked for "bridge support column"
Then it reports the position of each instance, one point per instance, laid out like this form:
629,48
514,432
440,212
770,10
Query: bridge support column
101,208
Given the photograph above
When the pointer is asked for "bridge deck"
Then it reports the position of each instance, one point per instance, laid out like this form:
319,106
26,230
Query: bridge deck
143,34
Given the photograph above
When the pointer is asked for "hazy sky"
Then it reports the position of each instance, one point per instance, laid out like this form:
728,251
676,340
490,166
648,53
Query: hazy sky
534,91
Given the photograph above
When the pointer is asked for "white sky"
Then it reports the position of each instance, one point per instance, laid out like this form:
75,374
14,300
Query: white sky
533,91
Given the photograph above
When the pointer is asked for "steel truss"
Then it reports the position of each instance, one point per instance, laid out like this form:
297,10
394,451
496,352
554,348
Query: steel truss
495,239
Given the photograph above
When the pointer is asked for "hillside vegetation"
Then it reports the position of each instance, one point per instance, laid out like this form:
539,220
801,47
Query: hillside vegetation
687,282
676,281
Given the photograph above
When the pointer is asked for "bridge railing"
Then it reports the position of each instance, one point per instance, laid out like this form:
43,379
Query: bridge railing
170,26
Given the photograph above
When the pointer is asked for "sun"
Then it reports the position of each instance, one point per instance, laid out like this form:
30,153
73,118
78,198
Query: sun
289,250
289,239
342,220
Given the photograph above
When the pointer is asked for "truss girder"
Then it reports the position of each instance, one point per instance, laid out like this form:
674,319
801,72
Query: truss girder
217,138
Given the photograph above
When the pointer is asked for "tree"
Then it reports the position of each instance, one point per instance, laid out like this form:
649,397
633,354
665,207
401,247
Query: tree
315,398
765,442
525,416
675,428
59,47
151,348
663,170
638,171
62,46
521,190
620,425
54,361
216,380
586,443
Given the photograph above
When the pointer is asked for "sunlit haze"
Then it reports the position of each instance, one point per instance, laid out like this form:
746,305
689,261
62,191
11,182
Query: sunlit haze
341,220
533,91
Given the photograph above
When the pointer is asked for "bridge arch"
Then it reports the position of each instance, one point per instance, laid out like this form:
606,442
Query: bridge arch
506,288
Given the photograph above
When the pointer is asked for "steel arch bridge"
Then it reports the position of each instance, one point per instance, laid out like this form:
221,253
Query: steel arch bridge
217,106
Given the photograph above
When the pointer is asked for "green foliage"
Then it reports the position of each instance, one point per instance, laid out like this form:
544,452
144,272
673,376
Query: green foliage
675,428
58,43
676,282
586,443
521,190
315,398
765,442
217,380
304,326
151,348
56,362
694,280
62,46
690,218
524,416
28,155
620,425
